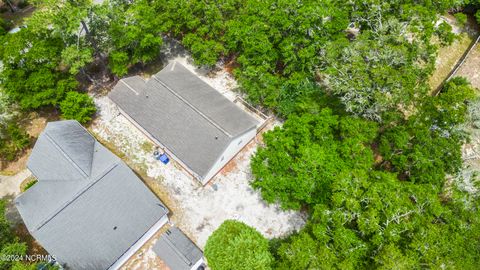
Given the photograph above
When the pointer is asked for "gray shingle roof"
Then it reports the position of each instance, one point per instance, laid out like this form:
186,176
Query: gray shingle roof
72,215
71,149
176,250
193,120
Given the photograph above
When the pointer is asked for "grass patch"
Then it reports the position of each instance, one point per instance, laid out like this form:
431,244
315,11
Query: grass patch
447,57
7,173
147,146
28,183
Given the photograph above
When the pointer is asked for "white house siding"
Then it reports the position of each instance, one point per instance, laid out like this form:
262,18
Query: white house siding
235,146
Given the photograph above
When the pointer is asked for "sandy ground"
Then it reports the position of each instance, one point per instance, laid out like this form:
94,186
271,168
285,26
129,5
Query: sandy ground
9,189
471,67
448,56
10,185
196,209
471,150
34,123
203,209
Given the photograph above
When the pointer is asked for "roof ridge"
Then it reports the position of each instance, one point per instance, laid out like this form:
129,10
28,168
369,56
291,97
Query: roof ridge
64,154
77,195
211,121
129,87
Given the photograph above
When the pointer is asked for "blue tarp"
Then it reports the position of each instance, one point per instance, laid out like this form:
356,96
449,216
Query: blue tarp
163,158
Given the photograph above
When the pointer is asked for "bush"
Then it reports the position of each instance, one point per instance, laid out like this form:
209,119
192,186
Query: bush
4,27
29,184
461,18
236,245
445,34
13,141
77,106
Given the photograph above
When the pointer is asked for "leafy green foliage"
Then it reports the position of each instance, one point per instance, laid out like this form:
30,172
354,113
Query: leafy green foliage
427,146
4,27
132,33
13,141
29,184
461,18
5,233
13,249
301,160
445,34
62,20
76,59
374,221
77,106
382,65
30,74
10,245
236,244
364,214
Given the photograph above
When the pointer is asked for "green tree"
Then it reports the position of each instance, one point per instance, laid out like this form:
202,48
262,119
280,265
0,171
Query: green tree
77,106
11,246
302,159
237,245
427,146
31,74
445,34
68,21
133,33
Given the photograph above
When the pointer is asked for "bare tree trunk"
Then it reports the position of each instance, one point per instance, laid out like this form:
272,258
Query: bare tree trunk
11,6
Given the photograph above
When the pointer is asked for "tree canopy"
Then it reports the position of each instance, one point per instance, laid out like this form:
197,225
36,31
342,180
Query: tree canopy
77,106
236,244
12,247
365,148
301,160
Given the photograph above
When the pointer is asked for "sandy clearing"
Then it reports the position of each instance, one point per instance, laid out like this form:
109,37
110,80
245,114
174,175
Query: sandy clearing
10,185
203,209
196,209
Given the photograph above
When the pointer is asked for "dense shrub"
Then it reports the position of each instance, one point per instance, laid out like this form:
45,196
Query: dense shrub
236,245
13,140
77,106
445,34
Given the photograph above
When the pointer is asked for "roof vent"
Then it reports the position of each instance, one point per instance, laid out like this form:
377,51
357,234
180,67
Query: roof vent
114,228
216,137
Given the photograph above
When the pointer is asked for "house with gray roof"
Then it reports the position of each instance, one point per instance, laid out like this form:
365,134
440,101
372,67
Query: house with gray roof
191,121
178,252
88,209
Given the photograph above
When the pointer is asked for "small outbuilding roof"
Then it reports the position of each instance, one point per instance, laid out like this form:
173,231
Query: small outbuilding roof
185,114
88,208
177,250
